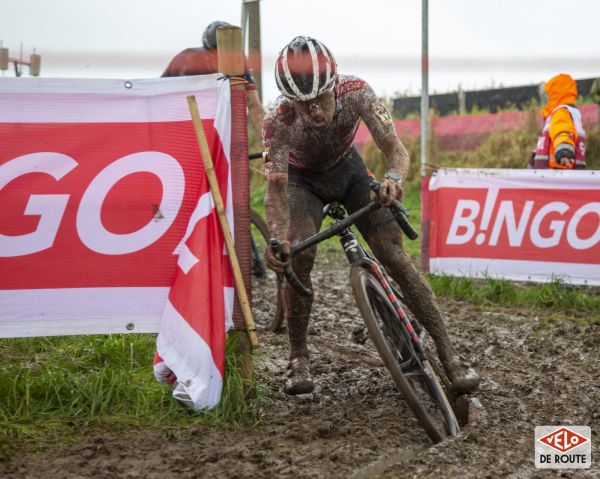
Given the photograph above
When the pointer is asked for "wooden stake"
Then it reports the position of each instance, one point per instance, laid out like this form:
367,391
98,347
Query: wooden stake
254,49
230,52
216,194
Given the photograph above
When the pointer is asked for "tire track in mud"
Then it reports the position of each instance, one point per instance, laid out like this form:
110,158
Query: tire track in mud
396,458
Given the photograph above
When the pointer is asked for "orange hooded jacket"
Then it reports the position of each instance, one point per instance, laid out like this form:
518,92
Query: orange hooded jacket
561,90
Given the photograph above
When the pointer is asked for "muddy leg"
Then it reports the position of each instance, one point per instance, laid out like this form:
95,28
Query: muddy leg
419,298
306,215
384,236
417,294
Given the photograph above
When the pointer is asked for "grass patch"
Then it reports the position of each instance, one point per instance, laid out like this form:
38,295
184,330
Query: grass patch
555,295
52,387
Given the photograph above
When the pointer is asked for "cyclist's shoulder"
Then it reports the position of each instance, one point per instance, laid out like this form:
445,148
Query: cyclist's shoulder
281,113
193,52
193,61
350,87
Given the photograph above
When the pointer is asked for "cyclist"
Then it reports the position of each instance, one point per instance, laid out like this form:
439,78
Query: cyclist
310,161
204,60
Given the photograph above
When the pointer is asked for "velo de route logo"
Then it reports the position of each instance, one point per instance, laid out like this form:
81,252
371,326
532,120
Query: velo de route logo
562,447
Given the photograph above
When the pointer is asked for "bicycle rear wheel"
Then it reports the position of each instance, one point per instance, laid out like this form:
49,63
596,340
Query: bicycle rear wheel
261,284
416,379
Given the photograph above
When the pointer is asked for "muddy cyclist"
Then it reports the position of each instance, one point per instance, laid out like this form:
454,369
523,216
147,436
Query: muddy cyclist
310,161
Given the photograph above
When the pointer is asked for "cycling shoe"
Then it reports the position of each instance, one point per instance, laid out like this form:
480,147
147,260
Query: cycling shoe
463,378
299,379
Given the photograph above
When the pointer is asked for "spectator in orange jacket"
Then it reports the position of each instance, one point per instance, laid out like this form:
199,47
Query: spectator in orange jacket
561,144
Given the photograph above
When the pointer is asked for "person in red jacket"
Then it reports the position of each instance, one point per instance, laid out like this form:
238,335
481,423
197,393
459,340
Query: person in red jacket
204,61
561,144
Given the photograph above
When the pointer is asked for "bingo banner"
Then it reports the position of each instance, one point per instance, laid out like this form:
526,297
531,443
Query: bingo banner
531,225
107,224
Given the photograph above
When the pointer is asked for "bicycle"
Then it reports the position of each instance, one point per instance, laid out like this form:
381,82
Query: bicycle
263,275
400,340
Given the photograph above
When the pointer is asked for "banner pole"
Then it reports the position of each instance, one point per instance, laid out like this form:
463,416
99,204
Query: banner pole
425,221
216,194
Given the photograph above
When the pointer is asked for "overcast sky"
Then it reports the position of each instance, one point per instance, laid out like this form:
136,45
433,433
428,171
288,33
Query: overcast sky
476,43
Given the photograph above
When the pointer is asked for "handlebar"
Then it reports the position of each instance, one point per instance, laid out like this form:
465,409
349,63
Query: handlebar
398,210
255,156
289,272
400,213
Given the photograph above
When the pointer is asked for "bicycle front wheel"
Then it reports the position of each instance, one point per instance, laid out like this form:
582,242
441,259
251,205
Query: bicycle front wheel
416,379
263,278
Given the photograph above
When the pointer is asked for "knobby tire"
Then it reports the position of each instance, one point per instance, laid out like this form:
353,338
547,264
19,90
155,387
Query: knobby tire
419,391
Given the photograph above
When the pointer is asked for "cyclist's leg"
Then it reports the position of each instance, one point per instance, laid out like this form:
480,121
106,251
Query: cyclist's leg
306,215
384,237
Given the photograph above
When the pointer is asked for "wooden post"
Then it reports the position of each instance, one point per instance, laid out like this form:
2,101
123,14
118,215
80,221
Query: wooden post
231,63
254,50
220,206
230,52
462,101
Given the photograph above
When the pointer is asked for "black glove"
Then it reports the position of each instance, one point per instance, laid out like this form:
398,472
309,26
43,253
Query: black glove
564,153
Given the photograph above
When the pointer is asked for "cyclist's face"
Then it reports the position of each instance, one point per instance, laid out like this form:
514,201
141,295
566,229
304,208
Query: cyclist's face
318,111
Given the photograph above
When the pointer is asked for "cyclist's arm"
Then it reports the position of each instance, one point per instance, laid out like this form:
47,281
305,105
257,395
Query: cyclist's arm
276,164
563,135
381,125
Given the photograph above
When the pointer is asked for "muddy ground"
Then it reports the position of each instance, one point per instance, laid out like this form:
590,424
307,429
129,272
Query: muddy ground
536,371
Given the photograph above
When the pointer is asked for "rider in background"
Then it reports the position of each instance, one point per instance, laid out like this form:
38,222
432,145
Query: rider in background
561,144
310,161
204,61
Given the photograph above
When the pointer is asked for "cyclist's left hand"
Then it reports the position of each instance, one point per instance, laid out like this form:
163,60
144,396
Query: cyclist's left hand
278,264
389,190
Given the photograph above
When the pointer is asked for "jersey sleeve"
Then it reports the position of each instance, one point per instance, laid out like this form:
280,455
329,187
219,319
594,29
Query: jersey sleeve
562,128
275,145
374,113
176,66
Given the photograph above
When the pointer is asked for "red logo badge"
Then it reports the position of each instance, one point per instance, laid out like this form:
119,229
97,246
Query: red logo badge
563,440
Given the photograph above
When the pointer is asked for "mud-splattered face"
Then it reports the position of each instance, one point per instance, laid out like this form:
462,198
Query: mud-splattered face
319,111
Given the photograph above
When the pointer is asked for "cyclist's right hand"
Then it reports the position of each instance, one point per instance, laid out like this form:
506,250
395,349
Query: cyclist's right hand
278,260
387,192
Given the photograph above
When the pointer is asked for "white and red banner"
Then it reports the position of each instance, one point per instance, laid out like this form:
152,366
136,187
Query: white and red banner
107,224
532,225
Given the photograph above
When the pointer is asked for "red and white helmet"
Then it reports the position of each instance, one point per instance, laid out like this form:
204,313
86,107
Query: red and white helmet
305,69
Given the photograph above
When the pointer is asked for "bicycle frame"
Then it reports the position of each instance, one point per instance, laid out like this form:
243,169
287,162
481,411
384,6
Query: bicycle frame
358,256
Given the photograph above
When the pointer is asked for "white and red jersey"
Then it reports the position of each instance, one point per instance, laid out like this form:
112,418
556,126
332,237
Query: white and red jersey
288,138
